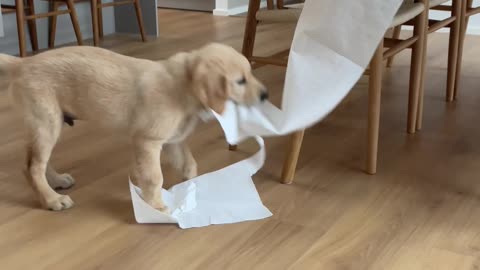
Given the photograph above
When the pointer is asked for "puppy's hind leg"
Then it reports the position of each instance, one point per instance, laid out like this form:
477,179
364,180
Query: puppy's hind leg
60,181
44,125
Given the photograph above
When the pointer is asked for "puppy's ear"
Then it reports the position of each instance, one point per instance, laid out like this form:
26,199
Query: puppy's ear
209,83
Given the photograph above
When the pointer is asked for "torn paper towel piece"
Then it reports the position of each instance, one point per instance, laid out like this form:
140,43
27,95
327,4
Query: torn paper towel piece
333,44
224,196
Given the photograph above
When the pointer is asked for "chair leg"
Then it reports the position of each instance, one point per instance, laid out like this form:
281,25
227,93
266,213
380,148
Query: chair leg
453,49
374,97
100,18
138,10
20,30
250,28
290,165
461,41
94,10
32,26
270,4
280,4
53,26
395,35
74,18
249,37
419,120
420,30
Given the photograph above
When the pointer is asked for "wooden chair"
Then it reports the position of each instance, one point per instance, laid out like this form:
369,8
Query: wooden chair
26,13
466,11
454,22
415,11
97,18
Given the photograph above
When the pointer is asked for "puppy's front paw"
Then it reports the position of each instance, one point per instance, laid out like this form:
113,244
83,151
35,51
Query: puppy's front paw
62,181
160,206
58,203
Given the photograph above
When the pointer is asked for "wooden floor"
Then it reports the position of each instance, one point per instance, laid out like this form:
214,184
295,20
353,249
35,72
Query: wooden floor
421,211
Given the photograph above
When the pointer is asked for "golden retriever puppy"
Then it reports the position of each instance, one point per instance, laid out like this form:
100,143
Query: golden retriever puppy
156,104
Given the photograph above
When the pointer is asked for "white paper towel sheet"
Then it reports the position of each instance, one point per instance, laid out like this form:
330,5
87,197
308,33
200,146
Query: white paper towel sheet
224,196
333,44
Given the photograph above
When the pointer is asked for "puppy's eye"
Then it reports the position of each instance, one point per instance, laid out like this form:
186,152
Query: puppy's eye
242,81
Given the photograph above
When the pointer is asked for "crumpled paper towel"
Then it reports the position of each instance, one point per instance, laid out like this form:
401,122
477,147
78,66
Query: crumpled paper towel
224,196
333,44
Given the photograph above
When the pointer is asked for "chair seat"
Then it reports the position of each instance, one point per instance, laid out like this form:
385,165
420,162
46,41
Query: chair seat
289,15
407,11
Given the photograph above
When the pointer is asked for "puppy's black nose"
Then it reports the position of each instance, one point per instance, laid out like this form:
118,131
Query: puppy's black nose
263,96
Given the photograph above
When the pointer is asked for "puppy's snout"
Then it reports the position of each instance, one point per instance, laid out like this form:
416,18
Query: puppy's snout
263,95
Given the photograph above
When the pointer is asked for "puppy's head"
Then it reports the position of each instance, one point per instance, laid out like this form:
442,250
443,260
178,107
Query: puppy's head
219,73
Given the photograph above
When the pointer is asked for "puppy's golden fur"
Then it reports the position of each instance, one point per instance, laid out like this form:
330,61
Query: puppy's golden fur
156,104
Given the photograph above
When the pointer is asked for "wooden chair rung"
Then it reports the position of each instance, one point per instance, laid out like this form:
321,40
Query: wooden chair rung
435,25
7,10
396,45
5,6
442,8
472,11
48,14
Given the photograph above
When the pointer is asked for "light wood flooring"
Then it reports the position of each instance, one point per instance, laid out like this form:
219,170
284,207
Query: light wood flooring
421,211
